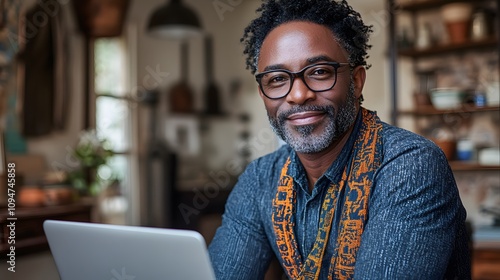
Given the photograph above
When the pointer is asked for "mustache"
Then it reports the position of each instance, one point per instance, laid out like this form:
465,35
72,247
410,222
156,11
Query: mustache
299,109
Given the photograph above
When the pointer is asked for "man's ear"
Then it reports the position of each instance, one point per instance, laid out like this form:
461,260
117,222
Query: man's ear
359,77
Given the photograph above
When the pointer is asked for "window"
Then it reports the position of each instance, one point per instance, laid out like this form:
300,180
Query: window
114,119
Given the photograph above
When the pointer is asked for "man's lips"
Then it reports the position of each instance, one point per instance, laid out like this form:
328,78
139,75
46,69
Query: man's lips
305,118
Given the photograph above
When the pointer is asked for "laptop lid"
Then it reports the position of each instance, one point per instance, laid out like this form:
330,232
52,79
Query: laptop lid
115,252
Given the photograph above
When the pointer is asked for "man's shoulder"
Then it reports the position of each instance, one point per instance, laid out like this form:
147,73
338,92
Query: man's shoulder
396,139
409,148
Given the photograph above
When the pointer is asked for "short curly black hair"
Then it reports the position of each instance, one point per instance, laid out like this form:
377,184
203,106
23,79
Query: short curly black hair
347,25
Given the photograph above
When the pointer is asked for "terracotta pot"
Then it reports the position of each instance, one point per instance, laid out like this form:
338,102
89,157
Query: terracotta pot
31,196
422,100
458,31
449,147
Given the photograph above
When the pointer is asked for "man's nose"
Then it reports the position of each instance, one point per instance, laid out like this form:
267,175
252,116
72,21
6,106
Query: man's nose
300,93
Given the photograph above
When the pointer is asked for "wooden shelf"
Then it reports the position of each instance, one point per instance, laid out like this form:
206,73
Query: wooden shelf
430,110
472,166
414,9
427,4
489,43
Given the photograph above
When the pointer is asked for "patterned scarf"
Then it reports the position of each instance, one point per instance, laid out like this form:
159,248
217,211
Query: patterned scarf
356,184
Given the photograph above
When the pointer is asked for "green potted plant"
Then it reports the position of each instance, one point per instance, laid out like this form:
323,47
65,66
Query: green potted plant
91,152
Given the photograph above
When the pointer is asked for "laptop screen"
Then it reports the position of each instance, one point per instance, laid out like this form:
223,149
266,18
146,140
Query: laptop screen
100,251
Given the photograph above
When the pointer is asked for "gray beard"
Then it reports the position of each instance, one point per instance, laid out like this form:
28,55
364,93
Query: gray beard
306,142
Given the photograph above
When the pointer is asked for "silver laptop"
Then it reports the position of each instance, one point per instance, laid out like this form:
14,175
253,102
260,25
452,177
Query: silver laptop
113,252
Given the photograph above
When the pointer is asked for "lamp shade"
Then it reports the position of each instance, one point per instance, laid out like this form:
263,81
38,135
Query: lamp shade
174,20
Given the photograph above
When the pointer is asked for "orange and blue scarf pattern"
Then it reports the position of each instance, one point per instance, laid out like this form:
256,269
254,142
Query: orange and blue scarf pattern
356,184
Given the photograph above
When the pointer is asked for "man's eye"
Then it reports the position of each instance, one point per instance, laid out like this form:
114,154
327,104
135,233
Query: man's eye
276,79
321,73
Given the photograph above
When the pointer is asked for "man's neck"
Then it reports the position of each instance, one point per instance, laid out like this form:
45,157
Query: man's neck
317,164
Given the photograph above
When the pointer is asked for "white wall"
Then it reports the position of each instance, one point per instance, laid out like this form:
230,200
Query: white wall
226,29
377,88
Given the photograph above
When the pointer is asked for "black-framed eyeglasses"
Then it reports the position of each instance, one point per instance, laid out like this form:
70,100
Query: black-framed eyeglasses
276,84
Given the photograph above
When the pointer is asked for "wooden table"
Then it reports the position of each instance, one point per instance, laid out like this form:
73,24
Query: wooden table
28,232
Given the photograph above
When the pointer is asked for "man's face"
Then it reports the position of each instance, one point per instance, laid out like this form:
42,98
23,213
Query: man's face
308,121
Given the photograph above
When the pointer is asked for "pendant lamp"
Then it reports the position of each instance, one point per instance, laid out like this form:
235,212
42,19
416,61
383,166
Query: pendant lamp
174,20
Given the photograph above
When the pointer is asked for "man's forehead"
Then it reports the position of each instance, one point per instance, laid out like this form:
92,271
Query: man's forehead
300,42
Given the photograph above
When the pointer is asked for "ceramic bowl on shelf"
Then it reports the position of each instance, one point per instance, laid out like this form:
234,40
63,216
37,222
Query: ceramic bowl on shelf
489,156
447,98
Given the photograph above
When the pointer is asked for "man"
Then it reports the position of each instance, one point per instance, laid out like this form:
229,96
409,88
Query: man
349,197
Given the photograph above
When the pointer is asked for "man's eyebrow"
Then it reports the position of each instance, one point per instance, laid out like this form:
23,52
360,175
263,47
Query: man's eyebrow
274,67
319,58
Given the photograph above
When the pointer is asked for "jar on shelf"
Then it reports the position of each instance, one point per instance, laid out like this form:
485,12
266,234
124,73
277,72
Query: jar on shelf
465,149
424,37
479,28
476,97
492,84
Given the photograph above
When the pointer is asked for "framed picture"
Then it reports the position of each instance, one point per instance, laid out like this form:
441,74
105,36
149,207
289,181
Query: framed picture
182,135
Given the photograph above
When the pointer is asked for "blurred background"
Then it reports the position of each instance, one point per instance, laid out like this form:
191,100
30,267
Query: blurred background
111,117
